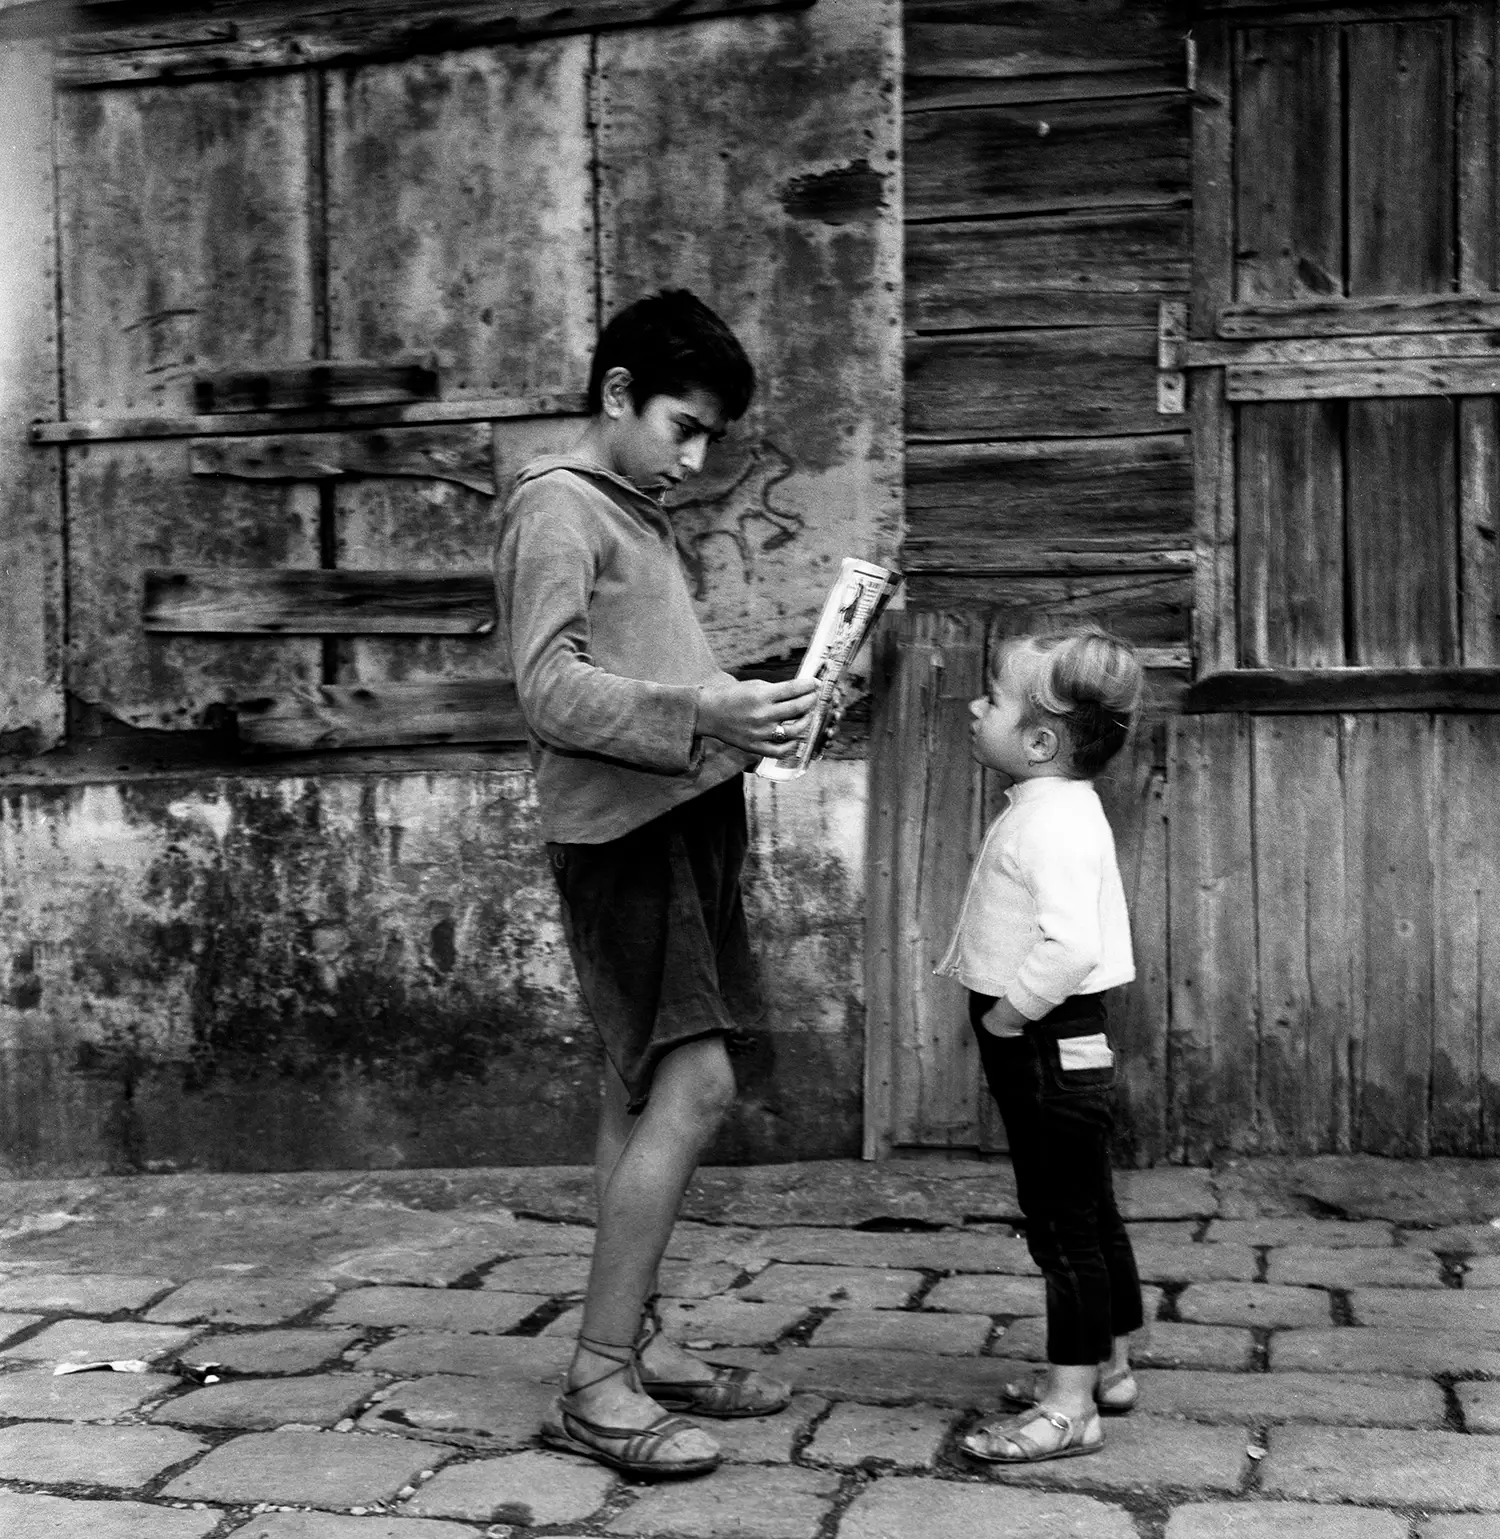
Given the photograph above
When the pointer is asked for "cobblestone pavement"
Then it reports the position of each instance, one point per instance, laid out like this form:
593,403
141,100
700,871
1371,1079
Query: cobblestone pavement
1323,1358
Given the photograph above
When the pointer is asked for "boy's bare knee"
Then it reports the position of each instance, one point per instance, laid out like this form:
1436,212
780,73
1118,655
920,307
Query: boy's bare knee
697,1083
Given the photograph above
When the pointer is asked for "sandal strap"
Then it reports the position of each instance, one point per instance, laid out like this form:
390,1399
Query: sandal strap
606,1349
639,1442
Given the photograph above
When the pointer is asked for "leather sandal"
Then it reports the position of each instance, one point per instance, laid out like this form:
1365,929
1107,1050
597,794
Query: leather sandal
1016,1447
642,1452
1115,1394
732,1392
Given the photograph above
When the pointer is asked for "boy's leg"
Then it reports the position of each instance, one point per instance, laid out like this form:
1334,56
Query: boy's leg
692,1088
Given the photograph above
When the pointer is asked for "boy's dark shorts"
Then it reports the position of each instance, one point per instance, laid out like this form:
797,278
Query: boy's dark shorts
656,927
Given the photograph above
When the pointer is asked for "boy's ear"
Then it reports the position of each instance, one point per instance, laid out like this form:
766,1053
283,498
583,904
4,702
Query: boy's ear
614,391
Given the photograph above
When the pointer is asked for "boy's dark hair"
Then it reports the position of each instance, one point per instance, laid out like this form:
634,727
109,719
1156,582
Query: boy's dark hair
672,343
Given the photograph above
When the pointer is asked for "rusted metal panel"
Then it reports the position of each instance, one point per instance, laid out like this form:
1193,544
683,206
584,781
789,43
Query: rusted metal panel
135,506
758,164
186,240
31,510
460,216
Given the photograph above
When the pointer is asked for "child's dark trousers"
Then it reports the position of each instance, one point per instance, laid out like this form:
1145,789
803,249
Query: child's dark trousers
1059,1121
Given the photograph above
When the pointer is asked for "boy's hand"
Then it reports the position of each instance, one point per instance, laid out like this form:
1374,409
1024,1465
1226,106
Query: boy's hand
1002,1019
756,716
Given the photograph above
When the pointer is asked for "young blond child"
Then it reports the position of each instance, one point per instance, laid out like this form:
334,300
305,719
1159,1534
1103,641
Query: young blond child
1043,932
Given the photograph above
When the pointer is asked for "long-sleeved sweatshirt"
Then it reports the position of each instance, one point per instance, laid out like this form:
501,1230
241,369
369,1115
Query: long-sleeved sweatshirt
607,651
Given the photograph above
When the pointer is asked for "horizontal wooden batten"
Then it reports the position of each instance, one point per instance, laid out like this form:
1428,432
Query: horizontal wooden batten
1060,155
1293,352
1029,562
1358,317
319,603
463,454
923,94
1059,382
105,44
315,386
1099,267
1394,377
384,716
1289,690
479,409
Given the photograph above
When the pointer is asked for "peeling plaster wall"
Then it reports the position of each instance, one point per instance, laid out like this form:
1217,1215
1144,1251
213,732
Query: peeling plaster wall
253,973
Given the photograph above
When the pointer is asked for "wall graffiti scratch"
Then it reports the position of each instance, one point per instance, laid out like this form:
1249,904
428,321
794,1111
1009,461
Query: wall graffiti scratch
765,470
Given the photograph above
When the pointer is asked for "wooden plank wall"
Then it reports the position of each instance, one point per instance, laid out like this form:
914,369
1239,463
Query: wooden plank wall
1046,218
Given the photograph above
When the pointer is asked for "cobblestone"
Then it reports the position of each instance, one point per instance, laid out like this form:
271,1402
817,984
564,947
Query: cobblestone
1252,1304
1480,1404
38,1394
1281,1520
12,1325
263,1404
980,1294
434,1309
305,1469
58,1517
938,1509
1368,1350
728,1322
1324,1267
961,1251
904,1330
696,1279
540,1275
531,1489
1195,1263
241,1300
862,1287
294,1350
529,1357
907,1437
1472,1310
88,1341
329,1525
98,1294
886,1378
1461,1526
736,1503
1253,1398
487,1413
1326,1233
1440,1471
768,1439
1163,1344
1482,1272
58,1453
1455,1239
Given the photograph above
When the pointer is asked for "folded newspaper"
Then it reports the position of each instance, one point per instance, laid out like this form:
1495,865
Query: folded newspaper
850,611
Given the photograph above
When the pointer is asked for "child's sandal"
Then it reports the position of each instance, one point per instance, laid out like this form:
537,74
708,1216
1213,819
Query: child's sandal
1004,1440
1115,1394
731,1393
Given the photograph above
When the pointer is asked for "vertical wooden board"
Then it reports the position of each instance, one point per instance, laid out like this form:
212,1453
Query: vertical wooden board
1389,801
1466,895
431,525
1484,831
1215,569
1400,209
1302,963
757,162
1291,534
134,506
1288,160
936,1061
31,513
186,237
1211,1046
1401,515
1479,530
1478,108
1134,792
460,215
1213,181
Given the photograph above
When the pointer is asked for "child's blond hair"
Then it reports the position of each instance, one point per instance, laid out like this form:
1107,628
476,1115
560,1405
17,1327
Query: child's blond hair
1086,683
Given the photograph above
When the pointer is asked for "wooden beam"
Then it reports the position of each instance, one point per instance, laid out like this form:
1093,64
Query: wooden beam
479,409
319,603
384,716
1358,317
314,386
1287,690
104,44
1395,377
462,454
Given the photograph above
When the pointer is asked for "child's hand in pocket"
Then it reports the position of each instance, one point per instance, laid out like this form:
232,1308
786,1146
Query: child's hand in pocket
1002,1019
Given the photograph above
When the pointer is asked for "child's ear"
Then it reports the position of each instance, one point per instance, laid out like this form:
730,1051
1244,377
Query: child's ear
1042,744
615,390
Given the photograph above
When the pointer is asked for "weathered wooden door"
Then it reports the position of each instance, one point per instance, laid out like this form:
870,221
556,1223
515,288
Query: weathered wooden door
1333,880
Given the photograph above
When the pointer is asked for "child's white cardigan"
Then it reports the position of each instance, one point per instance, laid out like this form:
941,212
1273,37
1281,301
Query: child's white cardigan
1044,916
